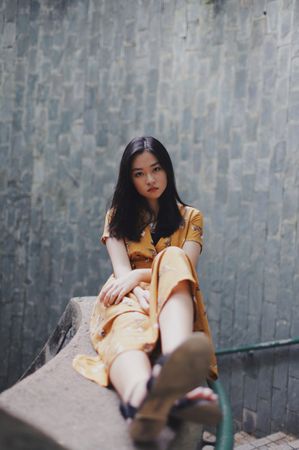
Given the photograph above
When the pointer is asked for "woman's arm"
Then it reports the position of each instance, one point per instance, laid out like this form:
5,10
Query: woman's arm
121,263
126,279
119,257
192,249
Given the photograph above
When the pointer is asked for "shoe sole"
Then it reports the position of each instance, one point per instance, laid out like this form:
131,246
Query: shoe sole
186,368
205,413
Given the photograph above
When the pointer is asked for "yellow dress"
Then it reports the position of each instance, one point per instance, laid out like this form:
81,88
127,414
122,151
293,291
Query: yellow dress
126,326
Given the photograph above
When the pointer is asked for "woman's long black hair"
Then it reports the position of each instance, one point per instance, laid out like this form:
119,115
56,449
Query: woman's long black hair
130,211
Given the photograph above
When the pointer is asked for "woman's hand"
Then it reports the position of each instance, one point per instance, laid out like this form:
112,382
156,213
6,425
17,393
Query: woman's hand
142,297
114,290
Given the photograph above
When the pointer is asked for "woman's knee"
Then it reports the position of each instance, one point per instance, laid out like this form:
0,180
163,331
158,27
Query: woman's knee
182,287
173,251
173,258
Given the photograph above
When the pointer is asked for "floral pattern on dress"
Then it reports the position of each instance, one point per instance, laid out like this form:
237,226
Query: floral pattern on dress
196,228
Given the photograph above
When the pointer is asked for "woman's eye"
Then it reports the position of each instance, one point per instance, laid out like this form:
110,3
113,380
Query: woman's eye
157,169
137,174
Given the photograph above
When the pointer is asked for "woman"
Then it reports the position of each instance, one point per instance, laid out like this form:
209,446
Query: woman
154,240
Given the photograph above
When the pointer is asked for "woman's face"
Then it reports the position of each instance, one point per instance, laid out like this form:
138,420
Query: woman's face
148,176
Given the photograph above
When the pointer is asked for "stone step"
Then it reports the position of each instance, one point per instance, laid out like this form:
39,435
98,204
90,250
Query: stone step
276,441
245,441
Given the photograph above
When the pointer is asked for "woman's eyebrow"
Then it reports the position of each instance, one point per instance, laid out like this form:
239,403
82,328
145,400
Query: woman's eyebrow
152,165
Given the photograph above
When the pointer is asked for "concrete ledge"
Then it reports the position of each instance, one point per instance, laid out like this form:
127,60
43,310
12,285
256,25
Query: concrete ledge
17,434
76,413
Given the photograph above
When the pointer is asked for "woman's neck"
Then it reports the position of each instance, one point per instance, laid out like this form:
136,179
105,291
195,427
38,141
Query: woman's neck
154,206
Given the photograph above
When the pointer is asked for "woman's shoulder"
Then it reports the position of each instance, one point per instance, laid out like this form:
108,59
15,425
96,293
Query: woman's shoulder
189,212
109,214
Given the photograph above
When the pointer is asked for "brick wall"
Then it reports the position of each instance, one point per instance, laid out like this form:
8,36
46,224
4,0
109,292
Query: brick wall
218,84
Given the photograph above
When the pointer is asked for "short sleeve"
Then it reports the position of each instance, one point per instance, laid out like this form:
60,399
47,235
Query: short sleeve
195,227
106,232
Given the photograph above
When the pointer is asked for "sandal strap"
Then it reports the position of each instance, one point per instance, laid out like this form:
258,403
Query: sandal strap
159,362
184,402
127,410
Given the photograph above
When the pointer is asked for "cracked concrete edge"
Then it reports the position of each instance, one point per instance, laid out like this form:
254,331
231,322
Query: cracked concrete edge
18,428
70,320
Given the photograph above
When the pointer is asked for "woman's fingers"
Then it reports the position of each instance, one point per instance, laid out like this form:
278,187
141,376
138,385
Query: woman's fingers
114,291
146,295
114,295
143,301
108,293
120,296
104,291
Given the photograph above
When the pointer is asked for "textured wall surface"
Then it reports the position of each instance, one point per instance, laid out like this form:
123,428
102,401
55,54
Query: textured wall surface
218,84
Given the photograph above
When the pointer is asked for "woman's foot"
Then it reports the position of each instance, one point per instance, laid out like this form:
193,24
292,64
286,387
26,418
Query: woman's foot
138,394
199,405
177,374
202,393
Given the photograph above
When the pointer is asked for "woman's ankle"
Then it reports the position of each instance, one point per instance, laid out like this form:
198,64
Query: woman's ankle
137,394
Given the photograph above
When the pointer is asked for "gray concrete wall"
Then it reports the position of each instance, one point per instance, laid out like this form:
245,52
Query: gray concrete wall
218,84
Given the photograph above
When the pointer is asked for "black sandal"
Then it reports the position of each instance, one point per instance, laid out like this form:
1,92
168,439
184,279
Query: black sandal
180,372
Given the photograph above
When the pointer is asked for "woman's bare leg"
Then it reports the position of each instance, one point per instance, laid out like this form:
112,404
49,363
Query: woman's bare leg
176,325
176,317
131,370
129,373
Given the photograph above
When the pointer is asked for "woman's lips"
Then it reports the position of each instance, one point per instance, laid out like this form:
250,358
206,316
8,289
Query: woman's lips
153,189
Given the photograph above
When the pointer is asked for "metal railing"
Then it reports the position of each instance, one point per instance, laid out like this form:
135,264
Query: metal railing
224,432
260,346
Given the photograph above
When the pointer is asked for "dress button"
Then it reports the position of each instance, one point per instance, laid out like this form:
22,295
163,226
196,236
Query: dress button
103,333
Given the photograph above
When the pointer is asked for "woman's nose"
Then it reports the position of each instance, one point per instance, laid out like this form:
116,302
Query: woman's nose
149,178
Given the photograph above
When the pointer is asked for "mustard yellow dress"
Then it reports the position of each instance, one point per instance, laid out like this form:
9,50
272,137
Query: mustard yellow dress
126,326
